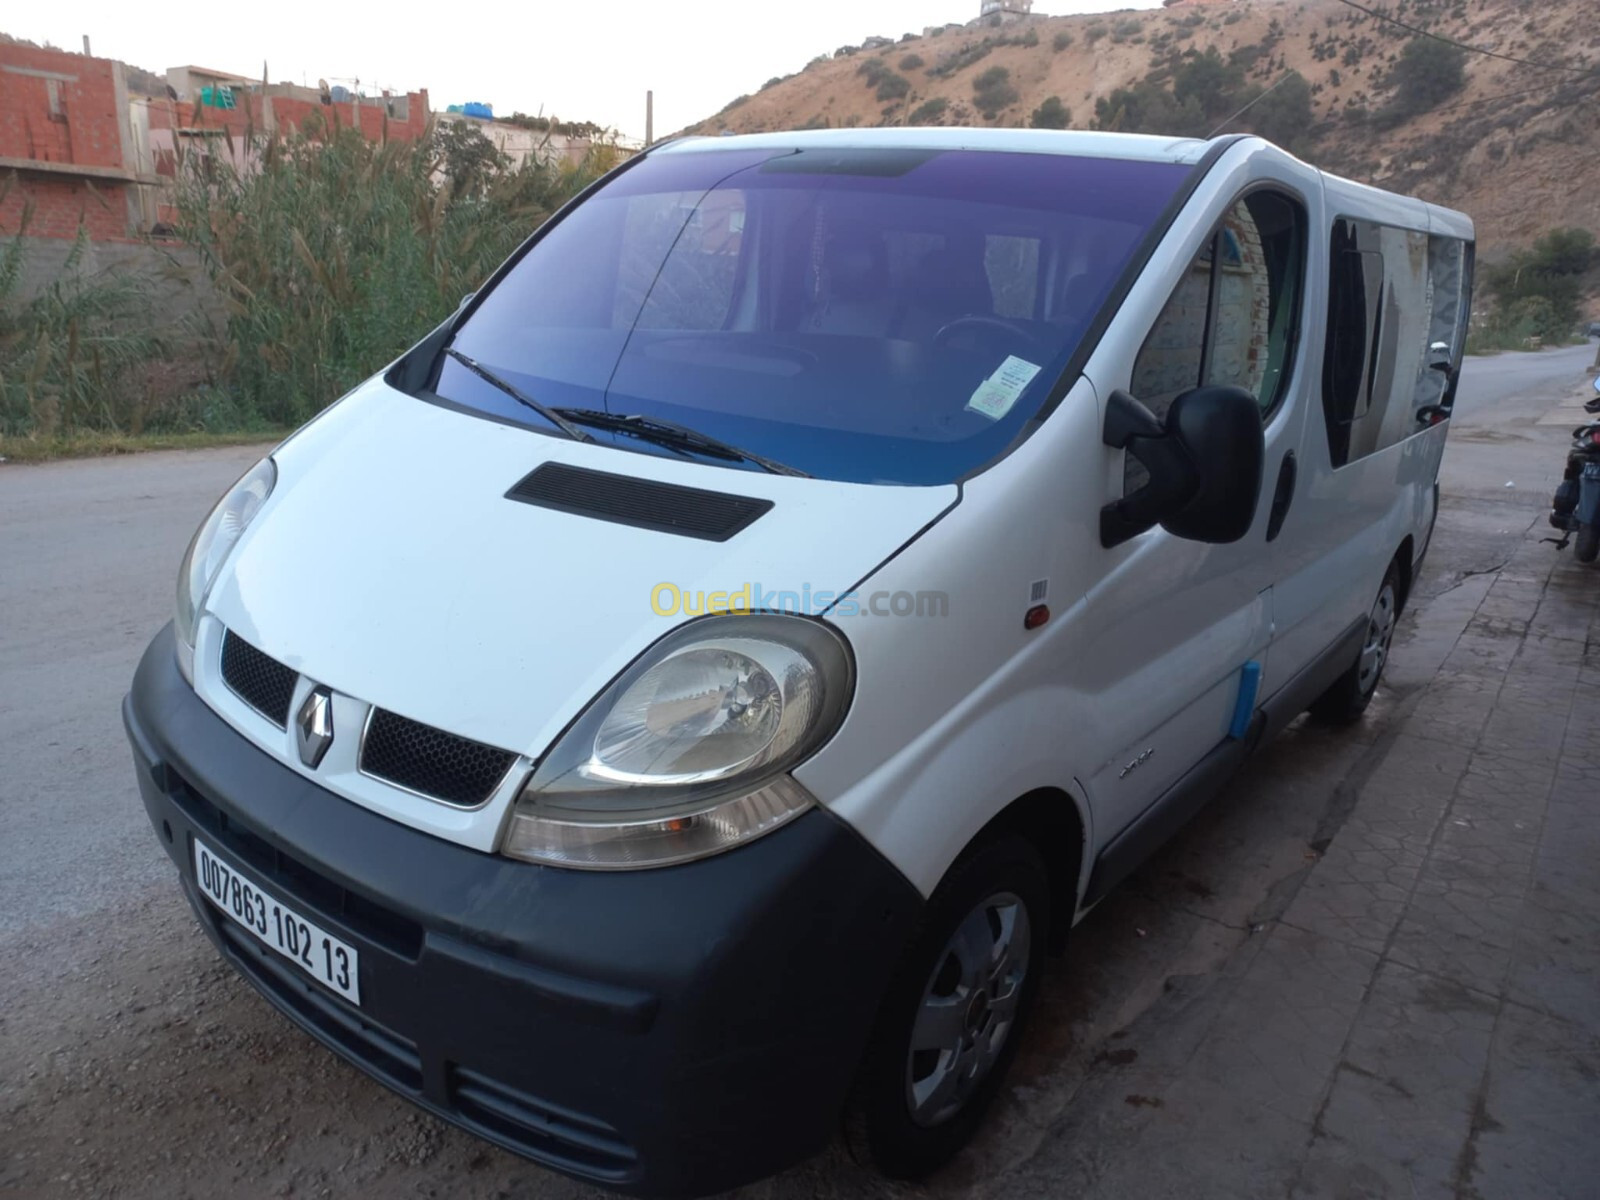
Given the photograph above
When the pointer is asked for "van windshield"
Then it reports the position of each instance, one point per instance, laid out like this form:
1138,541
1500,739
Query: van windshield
870,315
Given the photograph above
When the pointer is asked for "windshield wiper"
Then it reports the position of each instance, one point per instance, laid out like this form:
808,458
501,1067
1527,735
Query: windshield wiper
549,414
676,437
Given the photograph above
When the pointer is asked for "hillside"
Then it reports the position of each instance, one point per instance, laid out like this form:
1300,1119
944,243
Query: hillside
1516,146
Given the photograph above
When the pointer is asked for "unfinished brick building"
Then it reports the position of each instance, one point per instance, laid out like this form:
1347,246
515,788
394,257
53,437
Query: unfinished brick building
78,146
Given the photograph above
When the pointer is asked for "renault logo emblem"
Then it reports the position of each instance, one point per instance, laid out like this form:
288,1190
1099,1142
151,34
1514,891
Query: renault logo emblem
313,726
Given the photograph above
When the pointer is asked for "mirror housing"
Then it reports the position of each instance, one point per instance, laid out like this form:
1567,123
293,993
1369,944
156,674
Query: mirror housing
1439,356
1205,463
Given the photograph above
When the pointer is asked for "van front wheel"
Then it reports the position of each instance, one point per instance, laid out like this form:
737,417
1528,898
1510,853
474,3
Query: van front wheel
953,1016
1347,699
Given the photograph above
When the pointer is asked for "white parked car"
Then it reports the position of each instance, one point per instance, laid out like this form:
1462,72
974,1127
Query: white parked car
675,708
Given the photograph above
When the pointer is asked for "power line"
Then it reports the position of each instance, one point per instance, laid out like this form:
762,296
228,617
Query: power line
1417,29
1282,79
1533,91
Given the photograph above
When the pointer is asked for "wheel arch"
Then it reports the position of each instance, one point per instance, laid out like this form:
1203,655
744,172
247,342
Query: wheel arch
1405,567
1053,821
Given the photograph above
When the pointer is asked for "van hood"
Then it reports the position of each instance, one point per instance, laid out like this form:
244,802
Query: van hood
390,564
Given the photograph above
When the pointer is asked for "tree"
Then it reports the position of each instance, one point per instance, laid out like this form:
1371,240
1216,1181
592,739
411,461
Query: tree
468,159
1568,251
1052,114
893,87
1284,114
1428,73
1540,288
993,91
1209,82
1147,107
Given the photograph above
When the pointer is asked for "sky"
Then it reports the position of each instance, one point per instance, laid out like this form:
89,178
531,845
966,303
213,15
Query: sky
581,60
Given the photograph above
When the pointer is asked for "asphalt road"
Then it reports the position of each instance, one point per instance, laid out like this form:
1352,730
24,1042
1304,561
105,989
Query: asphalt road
1486,382
132,1062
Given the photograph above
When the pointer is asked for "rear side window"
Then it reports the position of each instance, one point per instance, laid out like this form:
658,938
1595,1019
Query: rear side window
1397,306
1233,319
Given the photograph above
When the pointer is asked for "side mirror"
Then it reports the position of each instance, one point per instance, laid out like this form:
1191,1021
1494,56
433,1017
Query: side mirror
1205,463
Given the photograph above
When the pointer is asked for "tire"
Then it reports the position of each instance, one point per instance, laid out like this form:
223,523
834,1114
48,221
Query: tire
910,1111
1345,701
1587,547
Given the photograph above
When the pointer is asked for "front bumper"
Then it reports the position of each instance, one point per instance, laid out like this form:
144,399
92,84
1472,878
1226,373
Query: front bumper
665,1032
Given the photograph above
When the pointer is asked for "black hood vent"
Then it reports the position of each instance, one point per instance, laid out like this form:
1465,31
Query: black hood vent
642,503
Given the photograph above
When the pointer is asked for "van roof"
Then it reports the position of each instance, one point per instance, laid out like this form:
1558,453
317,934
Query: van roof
1344,195
1032,141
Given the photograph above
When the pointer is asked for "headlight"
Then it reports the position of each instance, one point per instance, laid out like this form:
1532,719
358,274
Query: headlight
209,547
688,751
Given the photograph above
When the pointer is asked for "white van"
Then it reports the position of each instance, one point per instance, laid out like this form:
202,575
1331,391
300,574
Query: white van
673,710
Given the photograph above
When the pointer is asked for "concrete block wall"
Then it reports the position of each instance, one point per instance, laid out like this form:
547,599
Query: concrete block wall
179,288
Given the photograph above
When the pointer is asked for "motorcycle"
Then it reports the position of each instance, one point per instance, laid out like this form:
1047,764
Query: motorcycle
1575,508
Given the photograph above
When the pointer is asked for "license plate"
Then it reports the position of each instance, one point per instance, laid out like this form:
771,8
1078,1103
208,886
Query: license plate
319,954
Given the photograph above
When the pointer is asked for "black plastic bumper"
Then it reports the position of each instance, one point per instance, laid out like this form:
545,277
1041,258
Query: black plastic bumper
667,1032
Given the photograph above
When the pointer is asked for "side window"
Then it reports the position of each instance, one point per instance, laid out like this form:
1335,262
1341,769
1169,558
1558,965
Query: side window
1234,316
1354,281
1448,270
1393,294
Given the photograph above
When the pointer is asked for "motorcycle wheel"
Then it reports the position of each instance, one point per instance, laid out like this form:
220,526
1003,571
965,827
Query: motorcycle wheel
1587,546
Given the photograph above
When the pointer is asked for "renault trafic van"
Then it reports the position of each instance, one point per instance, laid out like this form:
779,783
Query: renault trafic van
670,713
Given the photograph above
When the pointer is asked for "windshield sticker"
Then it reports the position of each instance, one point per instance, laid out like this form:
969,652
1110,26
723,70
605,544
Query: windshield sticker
996,394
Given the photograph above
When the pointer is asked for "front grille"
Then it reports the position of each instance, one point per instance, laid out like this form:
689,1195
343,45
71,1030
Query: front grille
423,759
541,1130
260,680
296,881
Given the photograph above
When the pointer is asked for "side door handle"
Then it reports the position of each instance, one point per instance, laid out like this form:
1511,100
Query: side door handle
1282,496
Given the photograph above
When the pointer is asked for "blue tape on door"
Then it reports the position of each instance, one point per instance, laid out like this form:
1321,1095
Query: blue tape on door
1244,709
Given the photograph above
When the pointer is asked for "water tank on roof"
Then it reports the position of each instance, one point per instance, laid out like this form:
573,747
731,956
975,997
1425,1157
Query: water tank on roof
340,93
474,109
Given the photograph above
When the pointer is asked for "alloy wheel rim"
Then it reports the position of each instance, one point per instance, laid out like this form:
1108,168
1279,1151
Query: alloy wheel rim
1380,633
968,1008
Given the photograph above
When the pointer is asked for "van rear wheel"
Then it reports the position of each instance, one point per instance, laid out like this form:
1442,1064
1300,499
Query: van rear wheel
1347,699
952,1019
